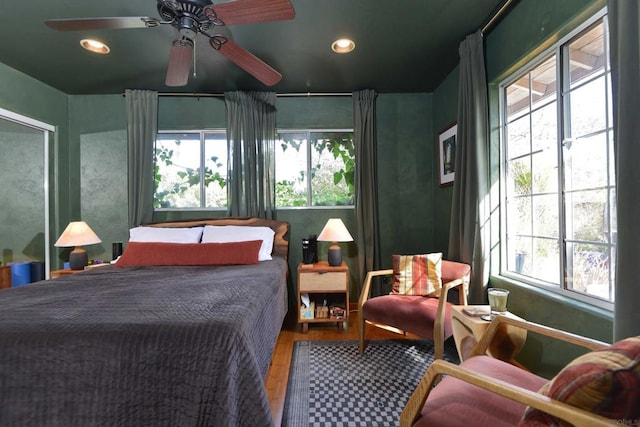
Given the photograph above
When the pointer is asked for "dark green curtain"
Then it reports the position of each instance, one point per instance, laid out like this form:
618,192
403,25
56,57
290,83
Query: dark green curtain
366,182
251,134
624,22
469,229
142,126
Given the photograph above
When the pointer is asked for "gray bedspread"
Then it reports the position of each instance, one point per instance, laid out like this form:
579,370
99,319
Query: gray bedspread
144,346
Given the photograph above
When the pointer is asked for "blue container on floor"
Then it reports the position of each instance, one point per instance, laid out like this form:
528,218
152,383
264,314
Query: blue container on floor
20,273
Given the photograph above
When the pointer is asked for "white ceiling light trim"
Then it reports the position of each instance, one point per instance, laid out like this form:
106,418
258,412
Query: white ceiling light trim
95,46
343,46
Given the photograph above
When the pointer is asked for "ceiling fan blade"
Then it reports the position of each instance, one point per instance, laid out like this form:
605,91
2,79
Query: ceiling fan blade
179,63
239,12
101,23
250,63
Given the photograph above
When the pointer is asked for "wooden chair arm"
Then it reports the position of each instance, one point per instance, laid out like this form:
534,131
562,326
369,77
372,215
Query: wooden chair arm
438,326
482,346
564,411
366,288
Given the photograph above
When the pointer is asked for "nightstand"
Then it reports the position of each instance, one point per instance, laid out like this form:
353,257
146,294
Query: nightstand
322,282
5,277
467,331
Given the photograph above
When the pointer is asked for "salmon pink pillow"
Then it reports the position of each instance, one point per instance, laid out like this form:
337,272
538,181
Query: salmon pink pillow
148,253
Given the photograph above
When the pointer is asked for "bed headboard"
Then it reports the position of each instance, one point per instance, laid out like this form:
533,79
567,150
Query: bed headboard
281,228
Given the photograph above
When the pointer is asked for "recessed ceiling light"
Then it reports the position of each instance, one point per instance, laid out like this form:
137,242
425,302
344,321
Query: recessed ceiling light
95,46
343,46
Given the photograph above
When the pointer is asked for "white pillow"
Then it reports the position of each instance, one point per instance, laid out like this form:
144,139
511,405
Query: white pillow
238,233
165,235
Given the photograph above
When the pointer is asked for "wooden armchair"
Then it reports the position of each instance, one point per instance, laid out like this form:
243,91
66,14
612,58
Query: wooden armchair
597,389
426,317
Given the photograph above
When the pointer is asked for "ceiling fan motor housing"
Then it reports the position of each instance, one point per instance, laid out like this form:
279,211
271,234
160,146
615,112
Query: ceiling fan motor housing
186,15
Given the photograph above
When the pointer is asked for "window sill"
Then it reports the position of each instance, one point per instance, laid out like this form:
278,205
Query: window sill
294,208
497,281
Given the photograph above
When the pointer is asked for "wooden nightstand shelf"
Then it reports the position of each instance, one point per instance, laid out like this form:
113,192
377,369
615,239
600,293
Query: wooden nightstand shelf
323,282
64,272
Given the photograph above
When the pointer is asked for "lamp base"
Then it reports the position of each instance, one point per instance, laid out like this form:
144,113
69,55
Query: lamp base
334,256
78,258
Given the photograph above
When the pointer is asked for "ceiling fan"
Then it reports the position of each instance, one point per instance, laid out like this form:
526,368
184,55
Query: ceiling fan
193,17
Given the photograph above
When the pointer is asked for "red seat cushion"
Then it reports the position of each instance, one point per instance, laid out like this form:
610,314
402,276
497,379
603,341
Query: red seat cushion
454,403
410,313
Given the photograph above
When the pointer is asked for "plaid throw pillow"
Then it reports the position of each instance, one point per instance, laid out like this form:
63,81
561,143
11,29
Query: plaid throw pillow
605,382
417,274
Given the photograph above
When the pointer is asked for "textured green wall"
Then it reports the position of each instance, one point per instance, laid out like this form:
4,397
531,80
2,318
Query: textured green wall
24,95
445,98
405,162
98,141
406,177
90,162
515,40
22,218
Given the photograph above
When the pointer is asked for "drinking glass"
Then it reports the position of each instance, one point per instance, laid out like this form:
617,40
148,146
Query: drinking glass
498,301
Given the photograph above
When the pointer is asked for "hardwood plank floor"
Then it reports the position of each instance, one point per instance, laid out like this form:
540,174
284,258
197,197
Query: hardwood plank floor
278,375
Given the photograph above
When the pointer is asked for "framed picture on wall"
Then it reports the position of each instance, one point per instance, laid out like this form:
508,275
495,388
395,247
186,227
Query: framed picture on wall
447,154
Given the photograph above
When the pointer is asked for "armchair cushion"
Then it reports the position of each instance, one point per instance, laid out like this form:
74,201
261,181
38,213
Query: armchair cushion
414,314
605,382
417,274
454,403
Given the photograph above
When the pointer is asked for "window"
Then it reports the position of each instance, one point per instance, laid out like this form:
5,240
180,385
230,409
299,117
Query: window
180,157
559,211
315,168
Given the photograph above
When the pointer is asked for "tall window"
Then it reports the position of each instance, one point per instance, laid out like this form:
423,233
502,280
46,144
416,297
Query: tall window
315,168
559,211
191,170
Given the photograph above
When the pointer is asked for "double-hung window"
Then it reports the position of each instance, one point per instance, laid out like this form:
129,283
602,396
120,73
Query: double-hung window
558,181
190,170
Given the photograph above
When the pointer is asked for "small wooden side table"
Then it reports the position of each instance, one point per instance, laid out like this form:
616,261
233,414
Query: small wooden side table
467,331
5,277
321,281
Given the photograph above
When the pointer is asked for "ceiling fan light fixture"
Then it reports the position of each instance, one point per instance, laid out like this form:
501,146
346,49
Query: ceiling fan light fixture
95,46
343,46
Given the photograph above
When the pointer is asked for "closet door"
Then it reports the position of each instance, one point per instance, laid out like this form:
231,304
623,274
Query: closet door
24,217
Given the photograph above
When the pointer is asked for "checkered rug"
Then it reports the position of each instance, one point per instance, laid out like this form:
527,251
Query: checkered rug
331,384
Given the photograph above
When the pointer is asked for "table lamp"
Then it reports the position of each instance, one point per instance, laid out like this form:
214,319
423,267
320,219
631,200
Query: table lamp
335,231
77,234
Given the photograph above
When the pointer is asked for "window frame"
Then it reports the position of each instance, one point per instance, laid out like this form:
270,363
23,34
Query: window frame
202,133
562,112
309,189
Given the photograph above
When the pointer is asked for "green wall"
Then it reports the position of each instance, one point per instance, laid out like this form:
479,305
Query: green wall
405,163
22,219
445,97
529,28
24,95
406,174
88,166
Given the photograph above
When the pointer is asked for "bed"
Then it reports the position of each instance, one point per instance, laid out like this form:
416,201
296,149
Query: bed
169,345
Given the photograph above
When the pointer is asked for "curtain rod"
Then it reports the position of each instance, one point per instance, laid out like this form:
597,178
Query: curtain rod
221,95
496,16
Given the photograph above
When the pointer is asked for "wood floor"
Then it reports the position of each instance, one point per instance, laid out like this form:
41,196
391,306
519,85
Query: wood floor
278,375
